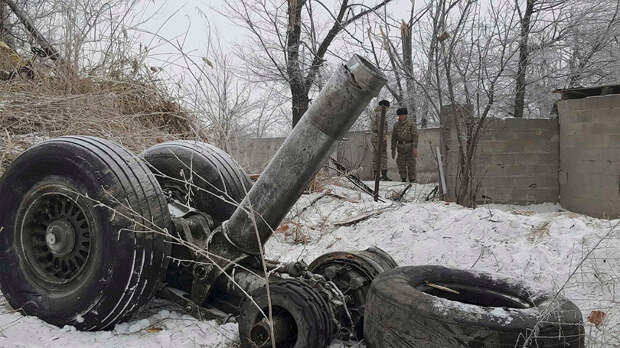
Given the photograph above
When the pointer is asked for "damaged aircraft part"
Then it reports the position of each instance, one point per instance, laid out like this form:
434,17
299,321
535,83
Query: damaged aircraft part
435,306
301,315
67,198
341,101
352,273
198,176
339,104
70,213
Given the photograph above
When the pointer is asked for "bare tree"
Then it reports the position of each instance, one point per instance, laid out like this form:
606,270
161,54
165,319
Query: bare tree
483,37
214,93
93,36
593,43
546,20
286,44
5,25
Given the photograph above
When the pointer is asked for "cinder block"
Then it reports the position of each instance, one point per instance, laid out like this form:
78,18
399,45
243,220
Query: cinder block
503,159
534,196
550,158
526,159
613,139
610,167
490,146
542,169
593,207
540,146
537,181
609,186
504,171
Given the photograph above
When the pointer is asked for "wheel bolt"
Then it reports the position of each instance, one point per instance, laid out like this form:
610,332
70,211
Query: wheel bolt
50,238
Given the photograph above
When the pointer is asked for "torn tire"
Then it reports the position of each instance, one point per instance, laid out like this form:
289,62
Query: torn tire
82,240
435,306
301,317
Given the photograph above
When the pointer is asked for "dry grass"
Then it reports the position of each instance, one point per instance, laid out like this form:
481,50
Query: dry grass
134,112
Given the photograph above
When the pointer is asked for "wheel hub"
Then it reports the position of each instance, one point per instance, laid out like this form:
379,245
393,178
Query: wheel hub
56,238
60,237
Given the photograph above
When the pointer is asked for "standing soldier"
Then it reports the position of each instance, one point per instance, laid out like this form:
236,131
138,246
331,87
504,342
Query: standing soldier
375,119
405,139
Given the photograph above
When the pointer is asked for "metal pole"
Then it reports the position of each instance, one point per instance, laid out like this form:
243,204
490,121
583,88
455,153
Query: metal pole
378,152
441,175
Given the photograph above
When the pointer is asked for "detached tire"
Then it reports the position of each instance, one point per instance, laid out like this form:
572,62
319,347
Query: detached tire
199,175
301,317
80,221
403,310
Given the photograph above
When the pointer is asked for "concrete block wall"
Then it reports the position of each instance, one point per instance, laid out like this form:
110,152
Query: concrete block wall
355,151
253,154
590,155
516,162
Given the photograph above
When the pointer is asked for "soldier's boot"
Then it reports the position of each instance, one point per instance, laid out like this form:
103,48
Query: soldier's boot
403,179
384,176
412,180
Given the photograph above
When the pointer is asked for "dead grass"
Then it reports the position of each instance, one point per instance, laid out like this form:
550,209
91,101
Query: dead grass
134,112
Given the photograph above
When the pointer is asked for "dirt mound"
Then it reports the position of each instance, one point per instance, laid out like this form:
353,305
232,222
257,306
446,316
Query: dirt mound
136,114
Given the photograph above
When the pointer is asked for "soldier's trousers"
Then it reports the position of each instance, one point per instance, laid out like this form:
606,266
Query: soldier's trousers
384,157
406,162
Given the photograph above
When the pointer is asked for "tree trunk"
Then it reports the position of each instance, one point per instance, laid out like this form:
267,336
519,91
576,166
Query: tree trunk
408,67
519,104
4,25
296,80
300,104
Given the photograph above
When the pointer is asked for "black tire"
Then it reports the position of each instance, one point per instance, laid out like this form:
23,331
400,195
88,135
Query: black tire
307,312
71,255
402,310
218,182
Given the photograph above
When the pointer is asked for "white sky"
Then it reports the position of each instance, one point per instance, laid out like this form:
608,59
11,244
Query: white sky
177,16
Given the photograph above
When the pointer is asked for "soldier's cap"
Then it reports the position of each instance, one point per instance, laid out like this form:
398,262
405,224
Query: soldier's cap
384,103
401,111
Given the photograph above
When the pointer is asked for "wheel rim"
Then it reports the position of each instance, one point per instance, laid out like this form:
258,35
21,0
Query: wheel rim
56,238
284,327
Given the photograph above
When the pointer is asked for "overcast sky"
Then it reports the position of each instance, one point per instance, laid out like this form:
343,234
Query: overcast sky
179,16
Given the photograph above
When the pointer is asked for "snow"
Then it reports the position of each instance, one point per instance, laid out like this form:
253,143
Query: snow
542,245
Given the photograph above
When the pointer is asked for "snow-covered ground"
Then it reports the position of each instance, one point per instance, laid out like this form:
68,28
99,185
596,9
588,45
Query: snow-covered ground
542,245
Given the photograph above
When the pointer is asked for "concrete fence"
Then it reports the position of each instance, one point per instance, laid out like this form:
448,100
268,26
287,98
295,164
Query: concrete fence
354,150
574,160
516,161
590,155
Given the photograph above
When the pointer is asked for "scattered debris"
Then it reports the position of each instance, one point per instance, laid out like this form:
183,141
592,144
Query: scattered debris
354,179
596,318
350,200
431,195
359,218
539,232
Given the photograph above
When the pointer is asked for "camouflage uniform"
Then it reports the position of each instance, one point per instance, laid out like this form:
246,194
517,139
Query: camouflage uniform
375,119
405,138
